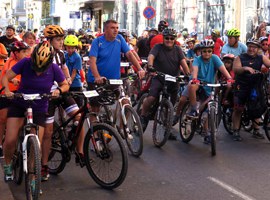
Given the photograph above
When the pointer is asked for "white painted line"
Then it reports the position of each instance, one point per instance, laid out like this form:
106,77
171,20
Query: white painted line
230,189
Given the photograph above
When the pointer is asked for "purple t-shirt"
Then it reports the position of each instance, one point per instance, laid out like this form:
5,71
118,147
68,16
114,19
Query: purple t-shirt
31,83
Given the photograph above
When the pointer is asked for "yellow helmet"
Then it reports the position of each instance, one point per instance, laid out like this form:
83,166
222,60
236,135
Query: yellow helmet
53,31
42,56
71,40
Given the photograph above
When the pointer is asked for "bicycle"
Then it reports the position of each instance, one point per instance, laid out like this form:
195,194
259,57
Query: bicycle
26,159
105,156
128,124
188,126
161,111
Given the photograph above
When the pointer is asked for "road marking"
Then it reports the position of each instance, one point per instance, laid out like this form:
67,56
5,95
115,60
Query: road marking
230,189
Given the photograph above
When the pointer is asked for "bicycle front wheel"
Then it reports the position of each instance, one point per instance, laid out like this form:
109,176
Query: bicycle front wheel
17,164
213,129
227,119
105,156
33,174
135,138
162,123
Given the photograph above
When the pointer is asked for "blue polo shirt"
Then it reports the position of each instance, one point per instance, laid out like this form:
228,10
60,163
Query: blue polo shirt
107,54
74,62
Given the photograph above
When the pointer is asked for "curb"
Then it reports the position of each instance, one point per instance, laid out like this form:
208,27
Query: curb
5,191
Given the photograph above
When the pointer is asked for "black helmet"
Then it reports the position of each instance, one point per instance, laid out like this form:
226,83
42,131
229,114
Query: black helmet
197,47
169,31
162,25
10,27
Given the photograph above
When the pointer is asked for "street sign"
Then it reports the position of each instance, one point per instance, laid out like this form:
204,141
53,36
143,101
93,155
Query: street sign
74,15
149,12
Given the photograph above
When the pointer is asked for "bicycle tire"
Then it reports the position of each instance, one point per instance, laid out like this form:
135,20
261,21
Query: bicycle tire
163,119
266,124
102,164
135,145
213,129
227,119
139,107
33,175
186,133
57,158
17,164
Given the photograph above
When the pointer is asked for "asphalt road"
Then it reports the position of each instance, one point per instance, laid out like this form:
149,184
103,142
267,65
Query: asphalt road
177,171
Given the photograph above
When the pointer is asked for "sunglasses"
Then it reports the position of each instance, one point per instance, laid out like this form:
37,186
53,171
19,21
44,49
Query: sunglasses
264,44
207,51
169,38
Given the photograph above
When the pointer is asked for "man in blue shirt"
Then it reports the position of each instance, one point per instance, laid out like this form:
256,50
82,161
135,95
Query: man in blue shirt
105,55
233,46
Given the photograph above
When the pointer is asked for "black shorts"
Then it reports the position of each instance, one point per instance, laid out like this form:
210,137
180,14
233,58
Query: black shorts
157,85
241,95
67,103
4,103
77,99
19,112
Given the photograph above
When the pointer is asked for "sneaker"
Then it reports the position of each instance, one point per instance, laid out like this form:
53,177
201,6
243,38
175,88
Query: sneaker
207,139
144,122
236,136
175,119
1,153
192,114
256,134
79,159
8,173
45,173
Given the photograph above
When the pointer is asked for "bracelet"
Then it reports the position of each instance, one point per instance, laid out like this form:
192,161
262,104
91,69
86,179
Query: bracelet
59,90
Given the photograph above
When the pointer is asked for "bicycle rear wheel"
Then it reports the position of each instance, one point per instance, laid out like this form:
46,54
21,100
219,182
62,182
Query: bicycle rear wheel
162,123
139,107
213,129
33,175
227,119
187,126
57,158
135,144
105,156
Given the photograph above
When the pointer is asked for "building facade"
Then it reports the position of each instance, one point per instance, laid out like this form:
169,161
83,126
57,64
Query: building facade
195,15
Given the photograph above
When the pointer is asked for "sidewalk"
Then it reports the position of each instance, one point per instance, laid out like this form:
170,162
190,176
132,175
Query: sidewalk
5,192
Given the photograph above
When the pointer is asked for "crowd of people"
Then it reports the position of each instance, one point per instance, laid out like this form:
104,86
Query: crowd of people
53,61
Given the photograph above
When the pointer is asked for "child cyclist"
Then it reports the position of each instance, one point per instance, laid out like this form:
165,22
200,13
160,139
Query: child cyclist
204,69
55,36
19,51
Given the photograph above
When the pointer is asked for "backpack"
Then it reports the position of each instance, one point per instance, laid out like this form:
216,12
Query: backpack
256,104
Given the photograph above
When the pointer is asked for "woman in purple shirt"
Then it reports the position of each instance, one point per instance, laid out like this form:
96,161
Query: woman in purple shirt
38,74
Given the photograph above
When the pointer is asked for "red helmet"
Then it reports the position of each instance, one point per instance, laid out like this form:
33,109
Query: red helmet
162,25
18,45
228,57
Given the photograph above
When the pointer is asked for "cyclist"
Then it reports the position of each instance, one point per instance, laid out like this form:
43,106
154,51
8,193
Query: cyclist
37,76
215,35
194,35
167,58
19,51
55,35
233,46
264,45
84,42
204,69
190,53
158,39
29,38
105,58
8,38
244,67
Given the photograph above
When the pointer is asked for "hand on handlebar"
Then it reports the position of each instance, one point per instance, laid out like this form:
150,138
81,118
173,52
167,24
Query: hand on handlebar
195,81
100,80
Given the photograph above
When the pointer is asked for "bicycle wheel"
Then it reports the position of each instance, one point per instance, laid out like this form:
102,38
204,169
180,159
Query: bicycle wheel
17,164
57,158
227,119
213,129
162,123
187,126
106,159
135,144
33,175
139,106
266,124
